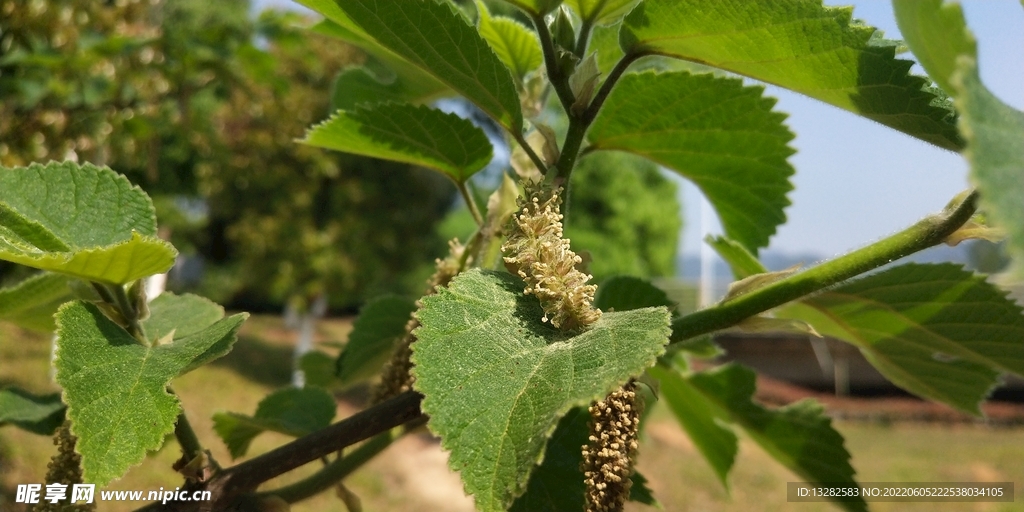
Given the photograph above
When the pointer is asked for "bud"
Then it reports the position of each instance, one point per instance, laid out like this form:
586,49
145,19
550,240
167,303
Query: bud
561,30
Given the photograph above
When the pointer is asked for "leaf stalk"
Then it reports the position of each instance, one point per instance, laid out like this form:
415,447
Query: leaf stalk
932,230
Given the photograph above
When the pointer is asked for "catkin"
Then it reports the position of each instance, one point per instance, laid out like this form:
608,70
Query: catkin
609,456
64,468
537,253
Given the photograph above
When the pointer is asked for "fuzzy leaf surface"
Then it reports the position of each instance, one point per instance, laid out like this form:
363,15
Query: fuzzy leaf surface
32,302
80,220
602,12
290,411
937,331
556,485
415,135
799,436
181,316
818,51
37,414
496,379
938,36
712,130
513,43
380,325
115,387
438,40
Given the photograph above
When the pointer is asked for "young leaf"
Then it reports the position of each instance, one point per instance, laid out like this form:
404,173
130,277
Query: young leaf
623,293
496,379
742,263
115,388
31,303
556,485
602,12
513,43
37,414
994,131
451,51
80,220
289,411
803,46
416,135
937,331
374,334
697,415
799,436
716,132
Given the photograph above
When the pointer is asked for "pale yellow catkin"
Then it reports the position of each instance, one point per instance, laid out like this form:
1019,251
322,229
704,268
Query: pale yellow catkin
537,252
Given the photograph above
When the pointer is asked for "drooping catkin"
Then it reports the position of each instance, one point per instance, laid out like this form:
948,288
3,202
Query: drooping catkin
396,377
537,252
65,468
609,456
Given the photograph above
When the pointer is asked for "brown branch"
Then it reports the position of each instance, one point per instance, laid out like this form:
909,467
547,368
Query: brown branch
231,485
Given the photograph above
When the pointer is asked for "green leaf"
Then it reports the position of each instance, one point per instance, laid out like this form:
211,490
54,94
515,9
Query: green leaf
80,220
115,388
800,45
799,436
496,379
318,369
605,42
512,42
937,331
37,414
180,315
380,325
437,39
716,132
535,8
742,263
32,302
698,416
405,133
938,35
290,411
623,293
602,12
556,485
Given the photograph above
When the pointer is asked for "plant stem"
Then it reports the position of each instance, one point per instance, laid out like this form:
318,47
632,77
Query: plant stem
470,203
606,88
570,151
583,38
334,472
558,80
931,230
384,416
187,438
536,159
124,304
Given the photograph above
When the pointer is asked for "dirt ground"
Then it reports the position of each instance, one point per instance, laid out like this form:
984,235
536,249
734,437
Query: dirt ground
891,440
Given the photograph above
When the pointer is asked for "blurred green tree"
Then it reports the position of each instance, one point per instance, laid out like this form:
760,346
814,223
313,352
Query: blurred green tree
626,215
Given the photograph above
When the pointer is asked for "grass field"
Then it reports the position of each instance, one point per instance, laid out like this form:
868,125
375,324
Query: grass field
412,476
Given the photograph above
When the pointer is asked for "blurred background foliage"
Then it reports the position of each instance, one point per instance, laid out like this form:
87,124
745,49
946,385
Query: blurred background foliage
200,104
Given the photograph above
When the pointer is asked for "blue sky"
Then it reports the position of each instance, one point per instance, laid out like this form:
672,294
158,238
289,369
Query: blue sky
857,181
